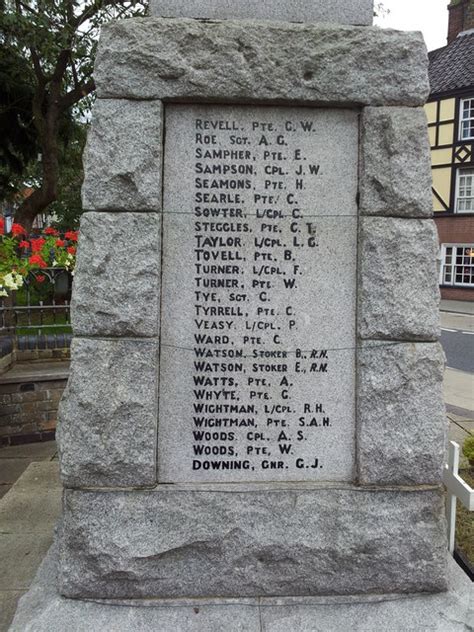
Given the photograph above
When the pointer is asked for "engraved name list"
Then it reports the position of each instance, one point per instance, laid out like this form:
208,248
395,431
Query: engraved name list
258,294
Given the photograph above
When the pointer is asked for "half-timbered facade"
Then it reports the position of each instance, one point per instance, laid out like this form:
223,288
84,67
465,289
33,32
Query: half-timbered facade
450,113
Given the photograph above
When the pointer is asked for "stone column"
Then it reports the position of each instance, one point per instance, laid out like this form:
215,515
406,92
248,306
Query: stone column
366,513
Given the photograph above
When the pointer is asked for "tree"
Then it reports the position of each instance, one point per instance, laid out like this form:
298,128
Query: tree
19,142
53,45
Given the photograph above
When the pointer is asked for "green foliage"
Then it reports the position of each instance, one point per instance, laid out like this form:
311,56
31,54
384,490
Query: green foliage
67,209
46,90
19,139
468,449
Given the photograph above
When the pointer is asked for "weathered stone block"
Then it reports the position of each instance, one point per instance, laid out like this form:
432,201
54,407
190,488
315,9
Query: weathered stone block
42,609
108,415
182,543
117,281
249,61
401,422
335,11
395,163
123,157
398,285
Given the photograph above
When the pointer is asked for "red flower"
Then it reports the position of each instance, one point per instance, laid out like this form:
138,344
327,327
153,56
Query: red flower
38,261
40,278
17,229
2,226
37,244
50,231
60,243
71,250
71,235
24,244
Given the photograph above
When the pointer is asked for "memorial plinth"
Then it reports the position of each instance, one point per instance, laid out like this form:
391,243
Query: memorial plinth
247,429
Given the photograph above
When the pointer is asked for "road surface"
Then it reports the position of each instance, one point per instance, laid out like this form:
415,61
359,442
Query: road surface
458,346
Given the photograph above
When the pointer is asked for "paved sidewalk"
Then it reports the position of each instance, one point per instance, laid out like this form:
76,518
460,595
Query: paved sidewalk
28,513
459,392
14,461
458,307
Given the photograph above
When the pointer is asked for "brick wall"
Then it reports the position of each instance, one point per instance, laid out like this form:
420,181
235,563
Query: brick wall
457,294
28,410
461,18
456,229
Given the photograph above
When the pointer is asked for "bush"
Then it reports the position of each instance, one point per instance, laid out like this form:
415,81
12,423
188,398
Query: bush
468,450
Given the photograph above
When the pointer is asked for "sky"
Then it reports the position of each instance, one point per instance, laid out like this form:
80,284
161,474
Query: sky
428,16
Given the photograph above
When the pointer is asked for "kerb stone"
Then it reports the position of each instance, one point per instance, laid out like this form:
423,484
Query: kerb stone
251,62
184,543
336,11
108,415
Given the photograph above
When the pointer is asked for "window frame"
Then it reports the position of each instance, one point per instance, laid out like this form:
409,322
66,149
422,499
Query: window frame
457,198
453,265
462,120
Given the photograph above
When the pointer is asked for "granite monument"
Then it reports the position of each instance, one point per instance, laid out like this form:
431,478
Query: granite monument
255,408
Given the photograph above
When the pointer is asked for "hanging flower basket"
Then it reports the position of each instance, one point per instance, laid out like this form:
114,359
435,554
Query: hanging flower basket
21,256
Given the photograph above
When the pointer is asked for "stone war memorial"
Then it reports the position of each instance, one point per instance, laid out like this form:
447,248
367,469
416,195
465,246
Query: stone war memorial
253,433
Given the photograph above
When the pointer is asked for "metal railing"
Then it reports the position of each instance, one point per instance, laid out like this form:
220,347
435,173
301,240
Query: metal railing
34,317
33,323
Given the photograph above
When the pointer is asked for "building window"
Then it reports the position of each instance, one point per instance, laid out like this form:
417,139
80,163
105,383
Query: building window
465,191
467,119
457,265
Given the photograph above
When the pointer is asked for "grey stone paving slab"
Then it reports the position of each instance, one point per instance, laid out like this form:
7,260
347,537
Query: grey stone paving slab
38,478
31,451
175,542
29,511
123,154
108,414
457,434
398,291
335,11
8,604
466,424
249,62
20,555
11,470
116,291
43,610
27,517
395,163
4,489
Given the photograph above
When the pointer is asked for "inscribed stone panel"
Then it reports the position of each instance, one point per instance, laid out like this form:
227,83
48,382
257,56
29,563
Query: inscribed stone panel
259,290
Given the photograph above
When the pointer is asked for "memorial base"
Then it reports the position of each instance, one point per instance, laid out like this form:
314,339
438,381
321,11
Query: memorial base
282,539
42,609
